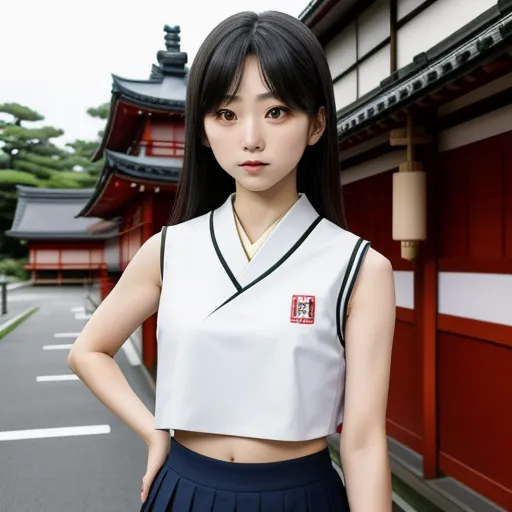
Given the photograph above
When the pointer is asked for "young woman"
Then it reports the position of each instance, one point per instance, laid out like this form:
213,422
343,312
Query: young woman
263,297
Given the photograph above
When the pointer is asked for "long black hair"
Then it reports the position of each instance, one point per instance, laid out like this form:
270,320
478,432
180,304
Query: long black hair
295,70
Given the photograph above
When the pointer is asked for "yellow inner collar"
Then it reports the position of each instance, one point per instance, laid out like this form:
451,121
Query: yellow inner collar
251,248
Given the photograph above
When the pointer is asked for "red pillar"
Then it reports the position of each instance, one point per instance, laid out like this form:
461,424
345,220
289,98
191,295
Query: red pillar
149,326
427,295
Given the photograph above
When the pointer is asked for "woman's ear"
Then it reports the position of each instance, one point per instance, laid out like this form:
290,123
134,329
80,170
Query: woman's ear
317,127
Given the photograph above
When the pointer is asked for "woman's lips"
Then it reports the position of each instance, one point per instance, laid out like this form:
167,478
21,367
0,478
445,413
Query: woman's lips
253,166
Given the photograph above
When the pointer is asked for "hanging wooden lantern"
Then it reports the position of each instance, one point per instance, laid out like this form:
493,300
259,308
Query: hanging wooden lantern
410,208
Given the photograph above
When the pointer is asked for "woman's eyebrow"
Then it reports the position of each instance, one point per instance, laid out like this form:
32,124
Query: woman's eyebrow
260,97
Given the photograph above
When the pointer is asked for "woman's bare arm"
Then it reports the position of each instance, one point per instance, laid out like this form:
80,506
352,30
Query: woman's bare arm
134,298
368,343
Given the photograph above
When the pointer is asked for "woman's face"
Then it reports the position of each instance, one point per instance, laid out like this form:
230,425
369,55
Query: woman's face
256,127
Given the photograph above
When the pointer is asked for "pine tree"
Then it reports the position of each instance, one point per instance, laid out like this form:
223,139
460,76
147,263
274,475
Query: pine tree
28,156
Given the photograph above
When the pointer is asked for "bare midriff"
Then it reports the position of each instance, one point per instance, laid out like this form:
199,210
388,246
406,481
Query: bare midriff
244,449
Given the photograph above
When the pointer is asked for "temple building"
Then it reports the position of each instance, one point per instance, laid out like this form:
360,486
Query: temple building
423,93
62,249
143,147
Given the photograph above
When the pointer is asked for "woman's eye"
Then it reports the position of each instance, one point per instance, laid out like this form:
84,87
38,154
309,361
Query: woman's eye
275,113
225,115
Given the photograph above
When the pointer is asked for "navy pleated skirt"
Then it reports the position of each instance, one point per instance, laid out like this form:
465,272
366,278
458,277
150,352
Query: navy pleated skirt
190,482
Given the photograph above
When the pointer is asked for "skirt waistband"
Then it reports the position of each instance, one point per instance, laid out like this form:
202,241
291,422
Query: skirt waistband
249,476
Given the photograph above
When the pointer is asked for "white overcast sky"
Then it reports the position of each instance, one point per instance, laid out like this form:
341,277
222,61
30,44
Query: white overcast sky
58,56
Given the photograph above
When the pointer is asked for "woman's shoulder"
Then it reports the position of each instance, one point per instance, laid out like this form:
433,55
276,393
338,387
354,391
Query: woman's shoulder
372,258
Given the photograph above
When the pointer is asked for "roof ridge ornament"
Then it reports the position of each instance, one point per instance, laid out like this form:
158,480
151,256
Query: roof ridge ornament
172,60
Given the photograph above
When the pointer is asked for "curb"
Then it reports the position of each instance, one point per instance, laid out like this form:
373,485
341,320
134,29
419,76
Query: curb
11,324
22,284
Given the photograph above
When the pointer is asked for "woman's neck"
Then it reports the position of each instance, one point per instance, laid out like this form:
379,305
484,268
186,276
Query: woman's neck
257,211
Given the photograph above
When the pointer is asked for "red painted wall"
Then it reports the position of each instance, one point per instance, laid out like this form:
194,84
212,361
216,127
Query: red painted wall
475,358
475,205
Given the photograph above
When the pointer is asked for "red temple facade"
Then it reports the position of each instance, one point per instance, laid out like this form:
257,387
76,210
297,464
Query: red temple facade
62,249
143,148
424,89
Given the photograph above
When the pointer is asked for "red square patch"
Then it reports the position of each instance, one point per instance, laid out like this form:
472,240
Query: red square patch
303,309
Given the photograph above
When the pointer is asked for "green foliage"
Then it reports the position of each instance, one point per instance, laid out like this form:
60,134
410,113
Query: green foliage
20,112
70,179
84,147
101,112
14,268
10,177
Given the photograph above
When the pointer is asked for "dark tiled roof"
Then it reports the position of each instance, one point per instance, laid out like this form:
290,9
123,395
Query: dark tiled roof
155,168
147,168
467,49
49,214
166,92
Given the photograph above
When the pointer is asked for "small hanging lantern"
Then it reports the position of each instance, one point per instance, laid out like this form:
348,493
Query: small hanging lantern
409,208
409,194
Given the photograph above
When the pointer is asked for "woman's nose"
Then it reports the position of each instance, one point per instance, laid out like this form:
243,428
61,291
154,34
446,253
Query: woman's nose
253,139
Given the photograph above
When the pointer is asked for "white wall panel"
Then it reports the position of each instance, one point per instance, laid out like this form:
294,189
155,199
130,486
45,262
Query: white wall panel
373,70
405,7
70,256
485,297
47,256
404,289
373,26
341,51
345,90
447,16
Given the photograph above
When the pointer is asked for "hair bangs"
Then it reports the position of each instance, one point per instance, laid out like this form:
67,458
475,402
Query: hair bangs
223,75
283,68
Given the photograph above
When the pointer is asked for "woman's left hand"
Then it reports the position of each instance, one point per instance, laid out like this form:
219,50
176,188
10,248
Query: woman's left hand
158,450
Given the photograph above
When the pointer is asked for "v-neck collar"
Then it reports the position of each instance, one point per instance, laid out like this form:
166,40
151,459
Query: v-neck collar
291,230
251,248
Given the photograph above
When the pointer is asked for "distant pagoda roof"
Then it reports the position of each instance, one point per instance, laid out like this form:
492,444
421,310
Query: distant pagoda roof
165,88
135,169
163,91
49,214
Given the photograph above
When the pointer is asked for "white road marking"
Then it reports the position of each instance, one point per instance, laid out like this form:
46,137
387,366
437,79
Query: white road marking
42,433
77,309
55,378
57,347
82,316
402,503
66,335
131,353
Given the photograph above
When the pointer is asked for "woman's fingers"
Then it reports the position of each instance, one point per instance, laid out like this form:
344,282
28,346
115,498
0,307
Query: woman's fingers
147,480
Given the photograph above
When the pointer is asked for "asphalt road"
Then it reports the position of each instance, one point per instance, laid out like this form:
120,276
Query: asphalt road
93,473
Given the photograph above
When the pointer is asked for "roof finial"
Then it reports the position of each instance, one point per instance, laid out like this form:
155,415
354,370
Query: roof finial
172,38
172,60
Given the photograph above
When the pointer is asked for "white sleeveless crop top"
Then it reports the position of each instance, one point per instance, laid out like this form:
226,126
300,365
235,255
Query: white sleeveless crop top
254,348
